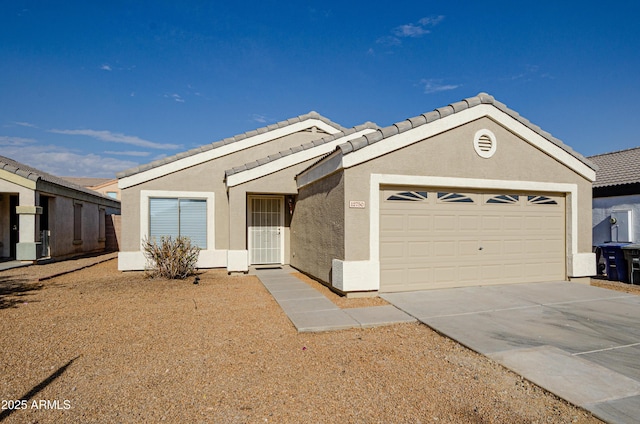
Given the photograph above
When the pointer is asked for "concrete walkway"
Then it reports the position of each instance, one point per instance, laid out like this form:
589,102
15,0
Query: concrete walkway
310,311
581,343
13,264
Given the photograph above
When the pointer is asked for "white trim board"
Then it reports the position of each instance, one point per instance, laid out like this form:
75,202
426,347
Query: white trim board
136,261
290,160
208,155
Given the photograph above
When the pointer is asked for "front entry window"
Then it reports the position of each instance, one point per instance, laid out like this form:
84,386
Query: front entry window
174,217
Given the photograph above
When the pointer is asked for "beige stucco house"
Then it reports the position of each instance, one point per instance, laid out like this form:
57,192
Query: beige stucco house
105,186
468,194
234,197
44,216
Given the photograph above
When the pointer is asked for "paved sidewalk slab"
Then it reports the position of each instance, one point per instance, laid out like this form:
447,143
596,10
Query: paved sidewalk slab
309,310
557,371
379,315
327,320
315,304
624,411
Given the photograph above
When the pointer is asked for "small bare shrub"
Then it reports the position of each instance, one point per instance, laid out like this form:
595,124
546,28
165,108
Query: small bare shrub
169,258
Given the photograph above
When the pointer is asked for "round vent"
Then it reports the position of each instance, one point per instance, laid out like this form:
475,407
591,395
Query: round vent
484,143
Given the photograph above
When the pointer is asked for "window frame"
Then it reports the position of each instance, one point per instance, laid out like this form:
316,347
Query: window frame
181,214
145,218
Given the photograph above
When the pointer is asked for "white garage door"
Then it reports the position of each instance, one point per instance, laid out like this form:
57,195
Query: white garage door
432,238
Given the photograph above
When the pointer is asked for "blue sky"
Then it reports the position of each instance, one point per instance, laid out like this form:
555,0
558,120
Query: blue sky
90,88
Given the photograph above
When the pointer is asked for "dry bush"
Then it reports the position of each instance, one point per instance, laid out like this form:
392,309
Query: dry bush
170,258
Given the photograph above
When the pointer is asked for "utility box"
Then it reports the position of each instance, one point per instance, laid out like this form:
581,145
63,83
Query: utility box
621,226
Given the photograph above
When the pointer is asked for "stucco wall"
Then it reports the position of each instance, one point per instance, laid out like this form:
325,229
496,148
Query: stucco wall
205,177
451,154
318,227
602,208
61,225
280,182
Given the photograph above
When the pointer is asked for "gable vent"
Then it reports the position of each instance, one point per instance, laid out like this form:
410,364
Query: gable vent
484,143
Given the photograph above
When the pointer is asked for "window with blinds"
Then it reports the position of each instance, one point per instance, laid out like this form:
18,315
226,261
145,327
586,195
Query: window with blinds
174,217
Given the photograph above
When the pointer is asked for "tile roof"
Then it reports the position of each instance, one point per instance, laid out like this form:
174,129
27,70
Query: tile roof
296,149
426,118
220,143
34,174
88,181
617,168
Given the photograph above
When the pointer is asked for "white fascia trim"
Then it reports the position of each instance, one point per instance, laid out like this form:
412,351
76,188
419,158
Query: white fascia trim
457,119
136,261
208,155
322,169
377,180
210,251
292,159
17,179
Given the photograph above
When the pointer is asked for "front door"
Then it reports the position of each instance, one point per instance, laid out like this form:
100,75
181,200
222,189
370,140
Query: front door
265,232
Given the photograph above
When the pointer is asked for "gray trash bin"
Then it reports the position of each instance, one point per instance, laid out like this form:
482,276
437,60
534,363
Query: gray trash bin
632,255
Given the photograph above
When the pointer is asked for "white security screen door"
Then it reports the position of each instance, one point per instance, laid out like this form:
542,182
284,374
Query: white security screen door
266,222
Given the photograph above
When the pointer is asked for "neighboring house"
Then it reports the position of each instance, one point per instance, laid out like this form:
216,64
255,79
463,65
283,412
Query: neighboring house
469,194
47,216
616,197
105,186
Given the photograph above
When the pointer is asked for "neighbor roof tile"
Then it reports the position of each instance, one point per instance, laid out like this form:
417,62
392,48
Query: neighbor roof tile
617,168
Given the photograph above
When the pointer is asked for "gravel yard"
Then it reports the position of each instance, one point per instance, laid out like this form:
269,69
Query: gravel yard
98,345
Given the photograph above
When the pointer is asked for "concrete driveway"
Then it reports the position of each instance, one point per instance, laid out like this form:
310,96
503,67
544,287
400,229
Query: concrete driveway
579,342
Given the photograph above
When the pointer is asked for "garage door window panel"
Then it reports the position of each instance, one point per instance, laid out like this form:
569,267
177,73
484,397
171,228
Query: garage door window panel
541,200
454,198
503,199
408,196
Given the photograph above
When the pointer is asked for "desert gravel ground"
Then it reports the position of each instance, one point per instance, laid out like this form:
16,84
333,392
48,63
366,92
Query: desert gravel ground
102,346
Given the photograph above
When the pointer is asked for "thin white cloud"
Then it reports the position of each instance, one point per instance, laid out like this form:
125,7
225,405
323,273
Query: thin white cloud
259,118
60,161
106,67
435,86
389,41
118,138
530,73
25,124
431,20
15,141
411,30
176,97
137,154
